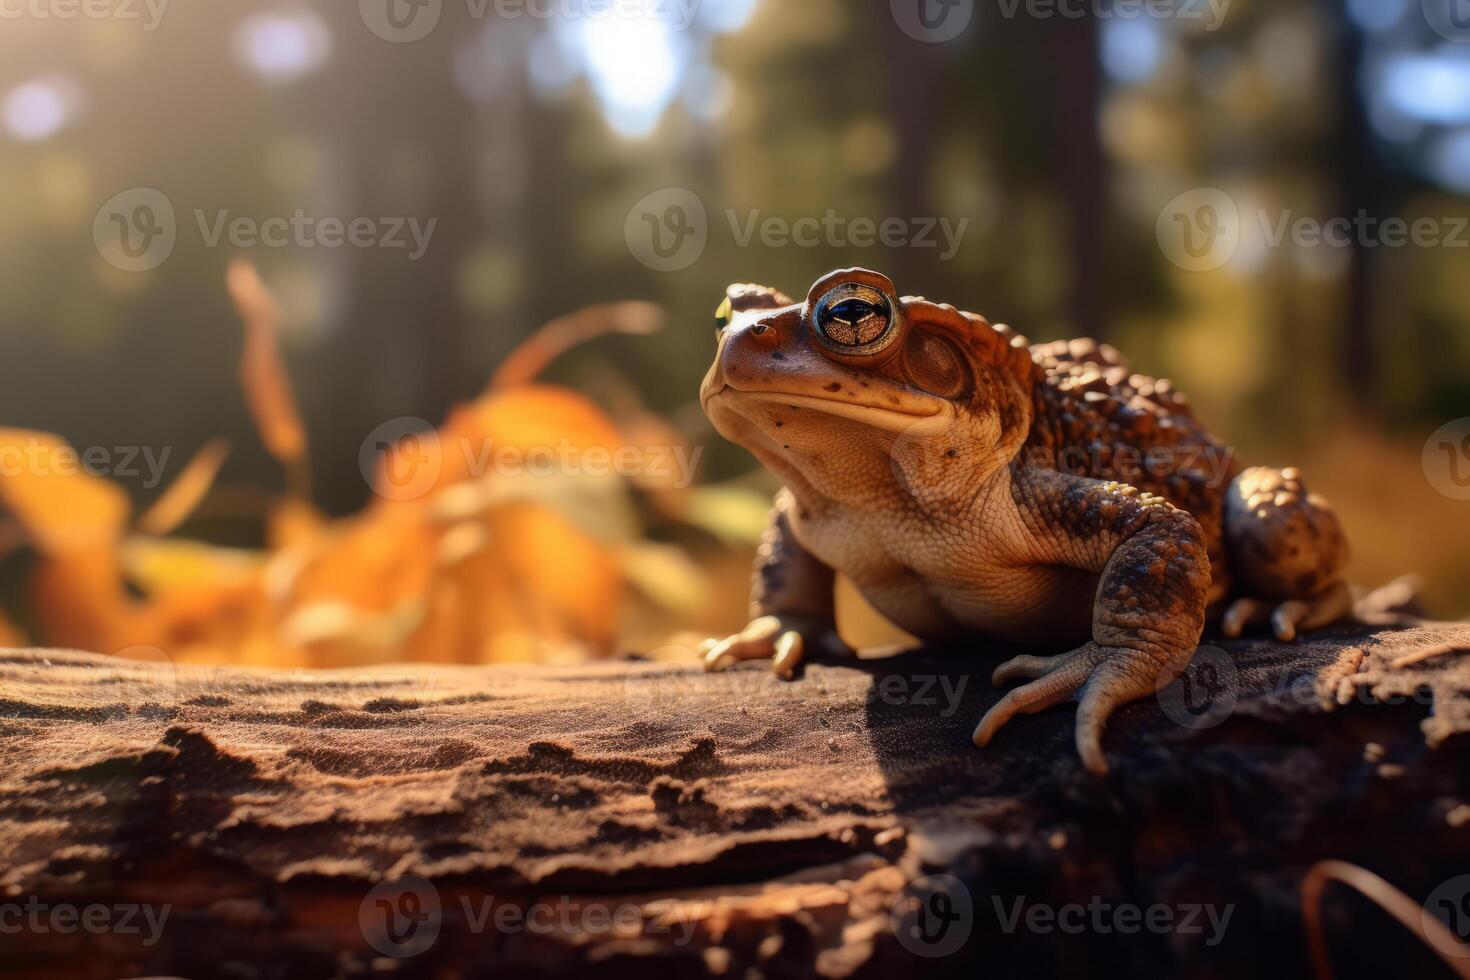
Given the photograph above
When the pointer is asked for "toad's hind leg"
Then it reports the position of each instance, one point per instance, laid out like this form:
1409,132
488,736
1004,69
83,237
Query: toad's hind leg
1287,550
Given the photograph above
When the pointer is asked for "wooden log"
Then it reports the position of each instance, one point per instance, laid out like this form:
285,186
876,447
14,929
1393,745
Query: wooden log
630,816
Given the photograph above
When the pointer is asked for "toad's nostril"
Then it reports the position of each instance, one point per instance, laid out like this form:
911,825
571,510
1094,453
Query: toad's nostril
764,336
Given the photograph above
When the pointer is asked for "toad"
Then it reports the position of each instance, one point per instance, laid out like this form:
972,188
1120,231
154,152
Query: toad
969,483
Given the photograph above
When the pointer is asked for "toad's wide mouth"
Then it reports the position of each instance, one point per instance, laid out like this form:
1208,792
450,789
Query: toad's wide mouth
915,421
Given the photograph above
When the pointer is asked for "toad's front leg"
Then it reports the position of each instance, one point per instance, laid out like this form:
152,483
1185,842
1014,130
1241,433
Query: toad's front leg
791,604
1149,610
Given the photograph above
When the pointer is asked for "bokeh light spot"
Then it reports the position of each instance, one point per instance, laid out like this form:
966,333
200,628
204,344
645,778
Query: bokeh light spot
1376,15
1131,49
41,107
1450,161
283,47
1431,87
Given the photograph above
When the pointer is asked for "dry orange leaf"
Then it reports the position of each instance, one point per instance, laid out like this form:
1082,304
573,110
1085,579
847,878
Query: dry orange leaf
499,536
262,372
184,495
60,506
78,600
527,361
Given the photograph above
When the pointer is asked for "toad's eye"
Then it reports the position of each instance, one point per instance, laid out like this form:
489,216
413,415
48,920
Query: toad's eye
724,314
855,319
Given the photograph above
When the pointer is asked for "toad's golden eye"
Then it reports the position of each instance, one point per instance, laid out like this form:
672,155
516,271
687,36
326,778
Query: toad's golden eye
724,314
855,319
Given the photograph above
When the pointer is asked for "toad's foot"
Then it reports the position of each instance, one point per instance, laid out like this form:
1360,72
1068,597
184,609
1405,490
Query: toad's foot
1288,551
1148,612
1101,678
1290,617
786,640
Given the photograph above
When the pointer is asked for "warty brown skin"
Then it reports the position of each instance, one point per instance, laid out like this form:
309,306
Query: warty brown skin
969,483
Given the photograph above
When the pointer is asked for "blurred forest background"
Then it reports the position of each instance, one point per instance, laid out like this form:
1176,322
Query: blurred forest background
1060,140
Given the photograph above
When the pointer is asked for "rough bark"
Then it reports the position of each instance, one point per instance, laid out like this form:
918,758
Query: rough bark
727,822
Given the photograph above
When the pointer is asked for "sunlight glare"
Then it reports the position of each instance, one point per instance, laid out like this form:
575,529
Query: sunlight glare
634,66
